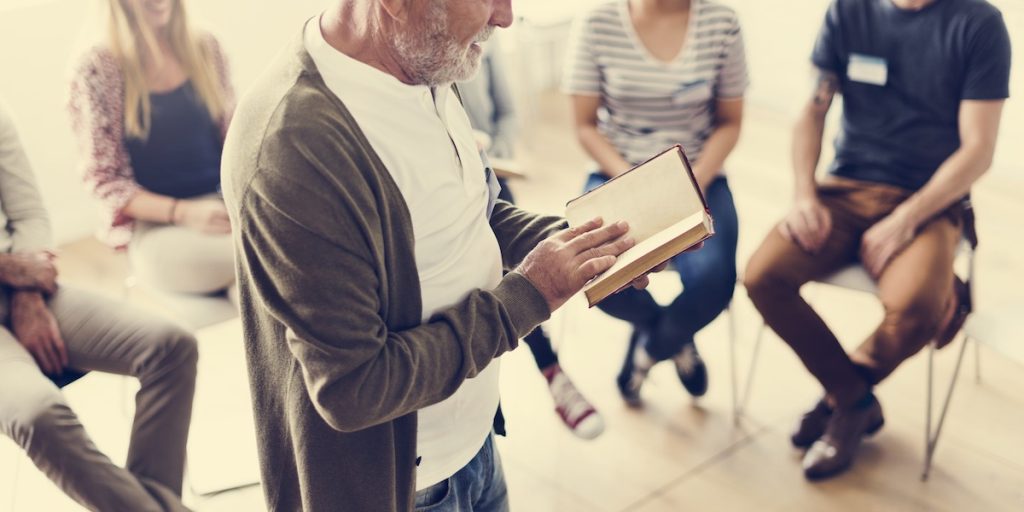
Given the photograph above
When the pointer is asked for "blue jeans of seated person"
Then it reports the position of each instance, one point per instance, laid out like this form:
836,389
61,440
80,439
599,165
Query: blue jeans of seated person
708,276
478,487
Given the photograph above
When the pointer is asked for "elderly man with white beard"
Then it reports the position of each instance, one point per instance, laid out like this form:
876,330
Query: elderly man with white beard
370,249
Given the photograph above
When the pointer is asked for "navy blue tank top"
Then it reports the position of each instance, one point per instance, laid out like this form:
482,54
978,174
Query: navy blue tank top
181,157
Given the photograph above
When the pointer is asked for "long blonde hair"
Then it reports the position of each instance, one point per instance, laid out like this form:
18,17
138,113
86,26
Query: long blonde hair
132,41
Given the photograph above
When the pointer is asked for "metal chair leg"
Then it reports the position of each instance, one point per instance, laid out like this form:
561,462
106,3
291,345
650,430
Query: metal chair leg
732,364
739,401
977,363
748,388
932,438
928,414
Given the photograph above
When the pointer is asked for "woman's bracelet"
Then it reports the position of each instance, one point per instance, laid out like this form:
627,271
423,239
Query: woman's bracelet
174,206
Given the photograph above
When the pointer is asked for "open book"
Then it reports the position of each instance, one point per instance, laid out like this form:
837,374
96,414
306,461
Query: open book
665,209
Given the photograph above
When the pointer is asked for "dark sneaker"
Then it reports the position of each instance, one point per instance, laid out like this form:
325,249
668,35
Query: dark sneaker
691,370
811,425
835,451
635,367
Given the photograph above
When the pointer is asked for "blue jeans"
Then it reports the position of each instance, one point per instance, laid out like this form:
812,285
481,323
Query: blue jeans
708,276
477,487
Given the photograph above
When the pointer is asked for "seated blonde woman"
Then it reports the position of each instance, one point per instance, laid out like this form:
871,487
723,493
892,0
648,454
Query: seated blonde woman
150,105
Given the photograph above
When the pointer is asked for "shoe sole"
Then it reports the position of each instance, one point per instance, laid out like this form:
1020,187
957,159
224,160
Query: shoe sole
868,433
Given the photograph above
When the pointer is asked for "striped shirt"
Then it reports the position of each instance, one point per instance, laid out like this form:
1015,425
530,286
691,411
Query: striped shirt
648,104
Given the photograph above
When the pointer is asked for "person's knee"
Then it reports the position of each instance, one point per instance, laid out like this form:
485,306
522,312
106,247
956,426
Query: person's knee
183,348
172,348
915,322
762,280
32,414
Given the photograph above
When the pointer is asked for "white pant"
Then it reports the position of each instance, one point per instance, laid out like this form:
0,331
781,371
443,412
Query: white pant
181,260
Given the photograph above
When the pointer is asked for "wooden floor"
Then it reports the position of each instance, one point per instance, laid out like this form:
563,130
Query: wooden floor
675,453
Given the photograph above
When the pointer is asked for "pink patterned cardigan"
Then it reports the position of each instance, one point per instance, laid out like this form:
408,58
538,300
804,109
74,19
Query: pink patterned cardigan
96,107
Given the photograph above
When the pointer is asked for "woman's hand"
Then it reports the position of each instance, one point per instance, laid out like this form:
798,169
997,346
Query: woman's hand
208,216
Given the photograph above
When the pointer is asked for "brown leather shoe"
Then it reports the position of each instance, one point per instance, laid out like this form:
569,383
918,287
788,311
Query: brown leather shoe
811,425
962,295
835,451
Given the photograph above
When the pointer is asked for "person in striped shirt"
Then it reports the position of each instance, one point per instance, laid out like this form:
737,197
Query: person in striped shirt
644,75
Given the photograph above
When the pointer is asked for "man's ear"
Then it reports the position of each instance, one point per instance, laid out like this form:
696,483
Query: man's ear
398,10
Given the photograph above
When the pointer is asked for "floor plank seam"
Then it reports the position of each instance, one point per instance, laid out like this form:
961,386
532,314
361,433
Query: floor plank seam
724,454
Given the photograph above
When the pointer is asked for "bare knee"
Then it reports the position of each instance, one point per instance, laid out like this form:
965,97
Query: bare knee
914,323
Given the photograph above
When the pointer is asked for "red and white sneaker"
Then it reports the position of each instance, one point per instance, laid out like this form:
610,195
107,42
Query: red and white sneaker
576,412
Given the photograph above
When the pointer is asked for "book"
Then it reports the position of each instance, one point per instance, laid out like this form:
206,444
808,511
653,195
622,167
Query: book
665,210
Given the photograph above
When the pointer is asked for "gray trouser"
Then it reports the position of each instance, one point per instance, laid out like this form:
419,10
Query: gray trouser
102,335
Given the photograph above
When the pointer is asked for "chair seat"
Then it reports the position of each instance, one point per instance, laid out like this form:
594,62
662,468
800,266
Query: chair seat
195,311
852,277
855,277
1000,328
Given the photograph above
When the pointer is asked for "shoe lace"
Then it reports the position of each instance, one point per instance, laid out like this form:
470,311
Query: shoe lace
686,359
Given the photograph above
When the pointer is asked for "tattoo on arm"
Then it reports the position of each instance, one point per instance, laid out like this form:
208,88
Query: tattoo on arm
828,86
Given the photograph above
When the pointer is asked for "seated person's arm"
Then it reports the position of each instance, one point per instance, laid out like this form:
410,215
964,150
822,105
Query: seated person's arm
28,270
27,221
594,143
808,223
29,262
206,215
728,120
979,129
97,119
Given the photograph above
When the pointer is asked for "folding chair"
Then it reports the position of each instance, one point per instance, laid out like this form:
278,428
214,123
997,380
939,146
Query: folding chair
855,277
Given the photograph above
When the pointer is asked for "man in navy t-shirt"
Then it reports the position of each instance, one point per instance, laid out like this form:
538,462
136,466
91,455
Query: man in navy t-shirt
923,85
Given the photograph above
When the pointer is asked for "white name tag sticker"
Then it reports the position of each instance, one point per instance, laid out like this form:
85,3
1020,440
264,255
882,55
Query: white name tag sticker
867,69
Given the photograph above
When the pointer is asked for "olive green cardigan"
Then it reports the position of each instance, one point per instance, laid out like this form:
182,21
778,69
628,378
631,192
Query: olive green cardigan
339,361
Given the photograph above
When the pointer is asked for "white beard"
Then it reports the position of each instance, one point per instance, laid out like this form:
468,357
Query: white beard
432,57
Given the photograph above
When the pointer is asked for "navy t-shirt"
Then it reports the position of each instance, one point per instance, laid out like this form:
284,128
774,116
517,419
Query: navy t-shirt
181,156
903,75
